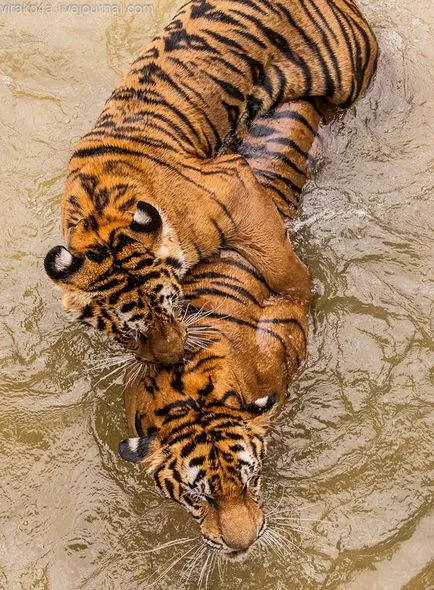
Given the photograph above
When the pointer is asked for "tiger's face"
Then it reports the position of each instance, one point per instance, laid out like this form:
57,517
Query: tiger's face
210,462
121,274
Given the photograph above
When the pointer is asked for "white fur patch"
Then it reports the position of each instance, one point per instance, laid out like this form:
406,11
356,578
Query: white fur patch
204,485
244,455
170,246
261,402
166,291
74,301
163,252
133,444
141,217
191,474
63,260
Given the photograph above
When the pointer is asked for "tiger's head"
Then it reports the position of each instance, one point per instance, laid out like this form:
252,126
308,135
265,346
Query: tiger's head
209,459
121,274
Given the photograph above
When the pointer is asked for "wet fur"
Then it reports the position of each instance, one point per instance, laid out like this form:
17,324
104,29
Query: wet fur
162,140
201,425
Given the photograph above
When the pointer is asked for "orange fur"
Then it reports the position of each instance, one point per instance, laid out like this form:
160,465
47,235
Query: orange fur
159,144
197,412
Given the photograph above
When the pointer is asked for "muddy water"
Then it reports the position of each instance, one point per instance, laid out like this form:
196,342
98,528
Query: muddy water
351,452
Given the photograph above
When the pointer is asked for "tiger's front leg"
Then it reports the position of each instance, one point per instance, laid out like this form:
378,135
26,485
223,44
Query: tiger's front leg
258,232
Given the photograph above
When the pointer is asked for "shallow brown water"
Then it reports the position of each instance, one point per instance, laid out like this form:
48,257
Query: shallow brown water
353,448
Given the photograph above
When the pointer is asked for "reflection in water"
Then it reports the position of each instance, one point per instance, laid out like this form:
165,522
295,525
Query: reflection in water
349,456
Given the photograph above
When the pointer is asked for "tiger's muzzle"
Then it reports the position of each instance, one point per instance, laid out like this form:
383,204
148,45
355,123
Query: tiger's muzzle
165,344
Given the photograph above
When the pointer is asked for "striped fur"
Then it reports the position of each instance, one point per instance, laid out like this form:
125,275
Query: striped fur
151,189
199,427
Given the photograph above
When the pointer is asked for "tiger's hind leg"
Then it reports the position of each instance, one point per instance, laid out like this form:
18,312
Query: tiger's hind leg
260,234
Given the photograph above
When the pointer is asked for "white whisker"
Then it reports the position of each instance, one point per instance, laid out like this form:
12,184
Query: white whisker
285,541
210,569
305,507
296,530
220,567
194,560
185,312
295,518
277,506
106,363
170,544
203,570
203,329
200,314
136,373
273,544
177,559
104,377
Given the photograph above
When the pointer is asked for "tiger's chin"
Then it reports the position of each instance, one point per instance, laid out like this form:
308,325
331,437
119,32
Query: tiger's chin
232,554
236,555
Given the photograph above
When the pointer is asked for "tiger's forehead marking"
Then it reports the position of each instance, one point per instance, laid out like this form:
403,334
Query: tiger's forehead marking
210,464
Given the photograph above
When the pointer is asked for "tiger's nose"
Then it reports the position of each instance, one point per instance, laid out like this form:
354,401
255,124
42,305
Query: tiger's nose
167,343
240,521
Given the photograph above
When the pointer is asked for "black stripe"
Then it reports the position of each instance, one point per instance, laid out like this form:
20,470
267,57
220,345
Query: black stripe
212,292
207,389
189,448
178,435
181,404
250,270
285,196
121,134
281,43
241,322
142,263
233,113
202,361
285,160
209,275
170,488
221,233
228,88
226,41
227,424
251,4
196,461
289,143
309,41
227,64
252,38
295,116
239,290
324,21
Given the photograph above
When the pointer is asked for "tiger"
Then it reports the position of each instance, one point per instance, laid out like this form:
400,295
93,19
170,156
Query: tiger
199,427
151,190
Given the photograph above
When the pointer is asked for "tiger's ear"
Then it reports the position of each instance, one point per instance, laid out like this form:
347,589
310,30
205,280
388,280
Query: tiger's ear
60,264
262,405
146,219
137,449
